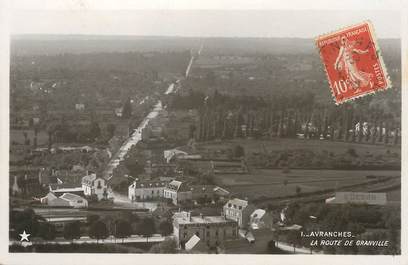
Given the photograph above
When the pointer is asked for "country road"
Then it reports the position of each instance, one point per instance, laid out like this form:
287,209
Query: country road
136,137
130,142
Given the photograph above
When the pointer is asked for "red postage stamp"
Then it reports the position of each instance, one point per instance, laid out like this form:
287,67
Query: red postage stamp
353,62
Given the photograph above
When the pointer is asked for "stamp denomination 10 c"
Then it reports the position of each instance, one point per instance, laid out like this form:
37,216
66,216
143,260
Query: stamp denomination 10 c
353,62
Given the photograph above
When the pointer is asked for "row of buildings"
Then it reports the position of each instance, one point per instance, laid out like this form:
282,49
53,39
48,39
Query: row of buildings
176,191
72,195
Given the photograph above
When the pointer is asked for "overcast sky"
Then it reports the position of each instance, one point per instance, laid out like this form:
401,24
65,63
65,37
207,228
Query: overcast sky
58,18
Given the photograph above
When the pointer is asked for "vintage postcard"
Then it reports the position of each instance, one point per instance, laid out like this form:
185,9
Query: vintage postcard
190,130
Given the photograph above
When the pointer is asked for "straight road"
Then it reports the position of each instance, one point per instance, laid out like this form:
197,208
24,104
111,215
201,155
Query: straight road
130,142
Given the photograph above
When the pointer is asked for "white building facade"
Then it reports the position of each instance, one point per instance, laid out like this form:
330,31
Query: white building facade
212,230
93,185
178,192
239,211
145,190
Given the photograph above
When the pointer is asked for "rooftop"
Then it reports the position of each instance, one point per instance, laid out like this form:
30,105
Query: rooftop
202,188
183,218
236,203
60,186
148,184
89,178
177,186
192,242
71,197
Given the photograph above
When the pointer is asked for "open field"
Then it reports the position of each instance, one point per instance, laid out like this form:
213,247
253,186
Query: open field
272,183
281,144
275,183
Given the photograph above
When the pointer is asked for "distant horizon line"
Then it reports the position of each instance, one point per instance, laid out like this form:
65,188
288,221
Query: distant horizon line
163,36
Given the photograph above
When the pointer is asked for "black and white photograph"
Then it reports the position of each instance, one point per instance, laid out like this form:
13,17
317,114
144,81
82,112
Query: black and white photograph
203,131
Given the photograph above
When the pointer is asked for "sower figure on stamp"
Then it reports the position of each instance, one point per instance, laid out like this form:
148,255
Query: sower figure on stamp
345,61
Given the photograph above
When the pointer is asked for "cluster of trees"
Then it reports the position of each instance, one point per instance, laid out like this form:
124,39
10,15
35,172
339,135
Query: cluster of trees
28,187
308,158
96,227
285,100
33,224
226,117
125,225
64,132
94,160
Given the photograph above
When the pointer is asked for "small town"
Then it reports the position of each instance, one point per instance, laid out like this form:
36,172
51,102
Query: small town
218,145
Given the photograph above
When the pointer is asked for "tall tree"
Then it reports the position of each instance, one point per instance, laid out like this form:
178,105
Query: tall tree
146,228
27,221
127,109
95,130
122,229
47,231
98,230
110,128
166,228
72,230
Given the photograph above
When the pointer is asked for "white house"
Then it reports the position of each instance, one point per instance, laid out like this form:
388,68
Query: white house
61,188
52,200
91,184
79,106
239,211
65,200
141,190
74,200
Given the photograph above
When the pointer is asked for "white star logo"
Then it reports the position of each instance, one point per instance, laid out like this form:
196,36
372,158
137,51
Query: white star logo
24,236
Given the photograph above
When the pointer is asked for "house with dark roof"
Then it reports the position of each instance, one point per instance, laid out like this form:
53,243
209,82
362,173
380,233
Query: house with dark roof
239,211
207,192
142,190
178,192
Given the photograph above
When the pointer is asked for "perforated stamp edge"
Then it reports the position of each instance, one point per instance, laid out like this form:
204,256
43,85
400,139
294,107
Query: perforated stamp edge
379,55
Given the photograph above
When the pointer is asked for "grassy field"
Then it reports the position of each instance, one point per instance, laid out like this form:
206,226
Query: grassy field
274,183
281,144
